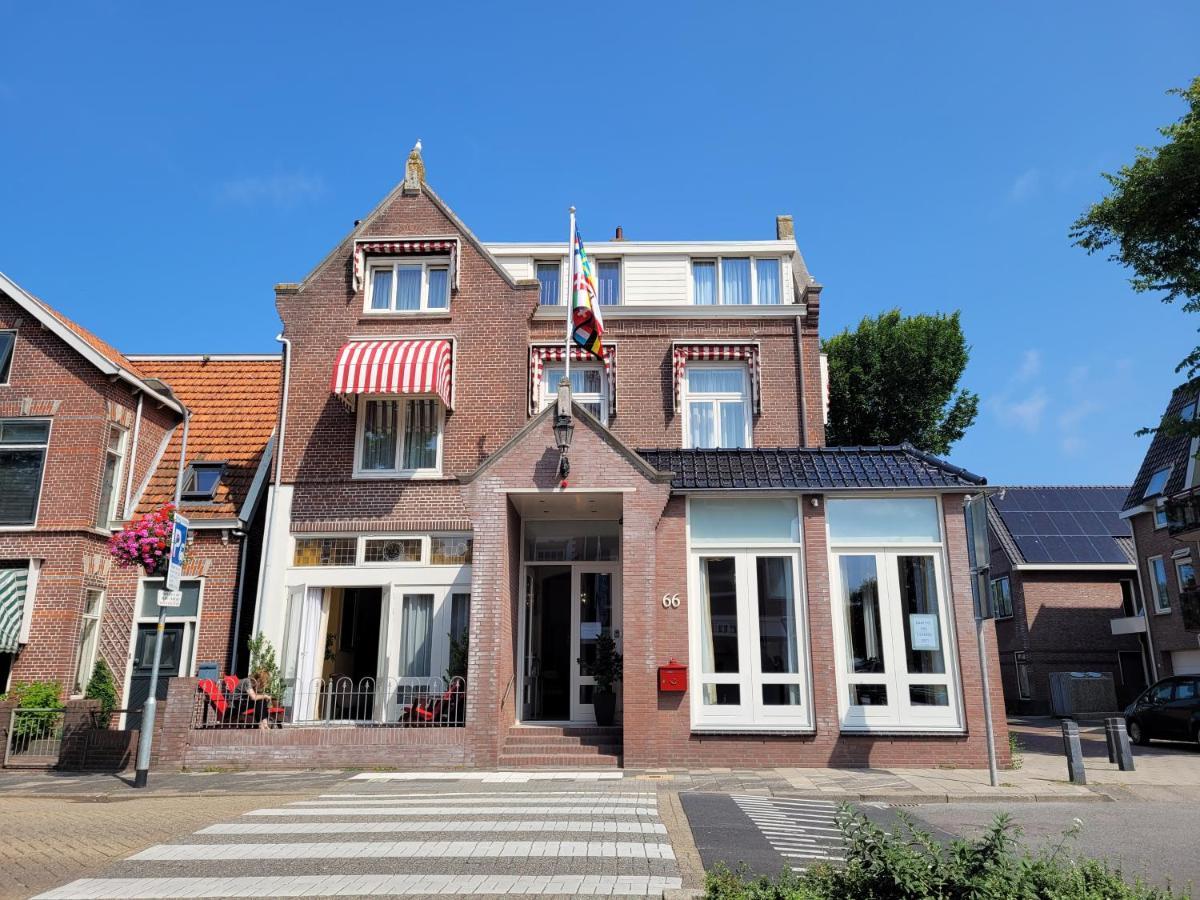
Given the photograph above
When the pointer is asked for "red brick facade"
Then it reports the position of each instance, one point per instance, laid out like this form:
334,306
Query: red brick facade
1166,628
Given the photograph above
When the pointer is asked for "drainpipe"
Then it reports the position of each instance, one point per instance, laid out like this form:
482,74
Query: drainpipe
137,429
1146,600
237,613
800,373
266,551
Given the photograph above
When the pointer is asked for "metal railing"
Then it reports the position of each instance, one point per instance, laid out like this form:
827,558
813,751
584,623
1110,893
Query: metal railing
34,737
1183,512
341,701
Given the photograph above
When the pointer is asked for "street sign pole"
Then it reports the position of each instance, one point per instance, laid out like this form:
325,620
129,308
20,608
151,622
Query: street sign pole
980,559
146,738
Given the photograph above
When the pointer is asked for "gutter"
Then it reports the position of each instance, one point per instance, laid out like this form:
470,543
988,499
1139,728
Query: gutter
267,538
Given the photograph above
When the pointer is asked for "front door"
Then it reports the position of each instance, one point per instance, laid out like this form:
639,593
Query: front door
595,610
143,664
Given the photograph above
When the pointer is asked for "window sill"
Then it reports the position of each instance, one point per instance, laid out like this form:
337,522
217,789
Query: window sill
682,311
424,314
402,476
18,527
1162,612
759,731
901,731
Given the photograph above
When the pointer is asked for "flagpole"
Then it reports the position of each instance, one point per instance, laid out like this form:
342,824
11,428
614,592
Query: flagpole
570,292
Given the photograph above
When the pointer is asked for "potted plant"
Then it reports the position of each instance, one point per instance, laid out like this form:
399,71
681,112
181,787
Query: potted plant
145,542
606,670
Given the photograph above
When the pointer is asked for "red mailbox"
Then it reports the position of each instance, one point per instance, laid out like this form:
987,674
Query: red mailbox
672,678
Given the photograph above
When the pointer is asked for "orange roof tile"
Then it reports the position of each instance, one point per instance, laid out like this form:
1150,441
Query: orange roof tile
105,349
234,404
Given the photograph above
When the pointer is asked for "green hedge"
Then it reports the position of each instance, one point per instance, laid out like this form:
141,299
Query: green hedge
910,864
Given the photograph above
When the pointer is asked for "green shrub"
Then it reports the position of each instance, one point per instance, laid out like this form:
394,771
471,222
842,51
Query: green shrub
456,665
909,864
103,687
262,656
1016,751
45,695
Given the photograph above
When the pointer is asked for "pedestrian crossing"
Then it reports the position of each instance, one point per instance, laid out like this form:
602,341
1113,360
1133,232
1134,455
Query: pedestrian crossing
802,831
445,840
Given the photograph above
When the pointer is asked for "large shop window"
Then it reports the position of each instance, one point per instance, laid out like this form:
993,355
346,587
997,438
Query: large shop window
747,626
893,635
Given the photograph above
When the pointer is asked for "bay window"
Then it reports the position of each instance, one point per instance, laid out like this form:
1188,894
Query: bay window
893,638
747,626
716,406
399,437
736,281
417,285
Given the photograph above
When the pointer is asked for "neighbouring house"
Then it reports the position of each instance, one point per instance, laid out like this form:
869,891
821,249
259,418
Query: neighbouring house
1163,509
816,601
1063,570
90,438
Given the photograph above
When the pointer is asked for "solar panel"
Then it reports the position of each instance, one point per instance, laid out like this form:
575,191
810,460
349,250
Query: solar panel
1065,524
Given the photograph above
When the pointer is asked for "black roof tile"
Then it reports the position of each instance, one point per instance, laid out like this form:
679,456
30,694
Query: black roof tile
1165,450
804,468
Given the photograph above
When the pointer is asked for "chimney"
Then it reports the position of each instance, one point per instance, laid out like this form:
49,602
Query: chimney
785,229
414,170
620,235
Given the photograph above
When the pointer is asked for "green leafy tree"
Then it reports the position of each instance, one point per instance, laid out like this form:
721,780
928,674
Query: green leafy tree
262,658
103,687
1151,222
895,379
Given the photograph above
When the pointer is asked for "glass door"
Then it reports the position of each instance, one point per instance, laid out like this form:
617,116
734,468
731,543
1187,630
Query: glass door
595,612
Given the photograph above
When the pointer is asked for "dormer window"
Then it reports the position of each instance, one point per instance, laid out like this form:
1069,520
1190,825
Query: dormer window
200,481
736,281
409,286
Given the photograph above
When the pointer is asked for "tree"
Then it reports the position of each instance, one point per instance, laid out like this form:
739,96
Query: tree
1152,216
895,379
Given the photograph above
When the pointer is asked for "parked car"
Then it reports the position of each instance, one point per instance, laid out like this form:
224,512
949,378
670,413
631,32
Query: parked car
1168,710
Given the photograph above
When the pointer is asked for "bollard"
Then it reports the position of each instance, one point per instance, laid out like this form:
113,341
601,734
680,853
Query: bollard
1074,752
1110,739
1121,752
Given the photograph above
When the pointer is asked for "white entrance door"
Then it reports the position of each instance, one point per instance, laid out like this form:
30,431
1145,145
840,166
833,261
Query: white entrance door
595,610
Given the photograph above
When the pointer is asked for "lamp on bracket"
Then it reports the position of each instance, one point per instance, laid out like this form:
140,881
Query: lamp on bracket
564,429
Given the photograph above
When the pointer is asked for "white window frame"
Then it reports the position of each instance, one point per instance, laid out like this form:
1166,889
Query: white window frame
45,448
191,632
996,582
687,398
1160,516
750,714
114,501
83,673
558,263
719,262
549,387
12,357
360,422
620,263
1147,494
899,715
1162,600
425,263
360,549
1183,561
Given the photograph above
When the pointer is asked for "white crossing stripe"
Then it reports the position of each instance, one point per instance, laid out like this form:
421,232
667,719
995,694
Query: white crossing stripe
427,826
447,800
507,809
379,795
407,850
800,830
493,777
360,885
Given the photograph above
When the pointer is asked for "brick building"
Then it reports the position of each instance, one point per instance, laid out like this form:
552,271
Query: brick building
818,597
1063,569
90,438
1162,511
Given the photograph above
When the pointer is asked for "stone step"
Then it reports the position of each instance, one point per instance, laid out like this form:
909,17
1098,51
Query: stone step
568,749
566,730
557,760
563,740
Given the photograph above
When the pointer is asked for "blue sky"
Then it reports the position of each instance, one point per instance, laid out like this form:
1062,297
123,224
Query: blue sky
163,169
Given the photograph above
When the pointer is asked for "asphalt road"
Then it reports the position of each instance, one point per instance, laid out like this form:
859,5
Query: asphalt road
1156,841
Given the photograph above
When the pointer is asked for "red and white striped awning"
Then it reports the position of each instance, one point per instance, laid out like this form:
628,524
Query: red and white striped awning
748,352
539,356
401,247
396,367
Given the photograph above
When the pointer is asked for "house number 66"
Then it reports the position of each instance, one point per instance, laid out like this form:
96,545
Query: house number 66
670,601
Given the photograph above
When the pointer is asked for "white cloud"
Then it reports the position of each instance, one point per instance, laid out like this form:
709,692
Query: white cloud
1024,413
1031,365
1025,186
283,190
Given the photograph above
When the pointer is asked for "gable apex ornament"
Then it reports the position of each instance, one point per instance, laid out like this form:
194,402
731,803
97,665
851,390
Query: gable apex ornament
414,170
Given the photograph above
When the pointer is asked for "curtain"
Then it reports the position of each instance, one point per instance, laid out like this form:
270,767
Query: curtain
460,614
700,416
379,434
610,283
725,379
735,280
439,288
310,651
704,283
381,289
547,276
777,616
421,435
408,287
767,271
733,425
20,484
416,636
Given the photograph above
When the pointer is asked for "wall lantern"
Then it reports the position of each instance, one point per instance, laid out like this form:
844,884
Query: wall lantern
564,427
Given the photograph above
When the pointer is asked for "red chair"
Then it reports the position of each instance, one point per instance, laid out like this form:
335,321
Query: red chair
216,698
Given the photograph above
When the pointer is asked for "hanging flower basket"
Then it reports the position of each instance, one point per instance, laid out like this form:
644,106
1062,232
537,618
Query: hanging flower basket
145,542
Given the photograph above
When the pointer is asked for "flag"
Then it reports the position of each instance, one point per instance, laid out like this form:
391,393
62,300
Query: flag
587,326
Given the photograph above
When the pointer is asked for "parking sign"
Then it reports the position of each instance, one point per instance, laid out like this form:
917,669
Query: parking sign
178,542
